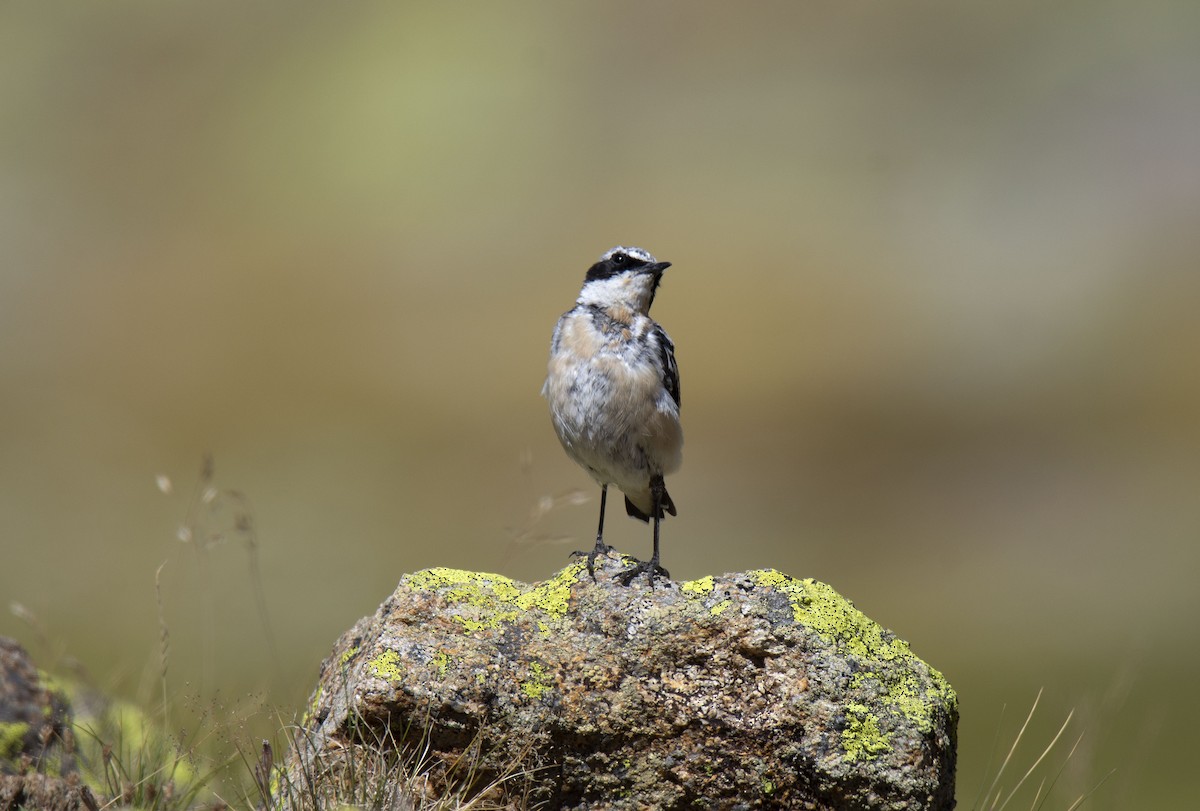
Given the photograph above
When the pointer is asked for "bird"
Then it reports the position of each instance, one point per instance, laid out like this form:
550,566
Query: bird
613,389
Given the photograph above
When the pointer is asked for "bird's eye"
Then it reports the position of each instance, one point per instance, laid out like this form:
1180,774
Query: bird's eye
619,258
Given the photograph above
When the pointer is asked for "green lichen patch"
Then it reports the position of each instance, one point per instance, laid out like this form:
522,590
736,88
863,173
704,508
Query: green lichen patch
12,736
904,695
538,681
554,595
387,666
862,738
496,600
441,663
835,619
704,587
717,609
461,586
908,686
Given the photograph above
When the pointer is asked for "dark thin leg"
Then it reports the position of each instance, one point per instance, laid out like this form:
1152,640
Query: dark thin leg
650,568
600,528
600,548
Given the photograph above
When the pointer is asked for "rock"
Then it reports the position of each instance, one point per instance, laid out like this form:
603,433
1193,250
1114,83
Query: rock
19,792
751,690
35,716
37,757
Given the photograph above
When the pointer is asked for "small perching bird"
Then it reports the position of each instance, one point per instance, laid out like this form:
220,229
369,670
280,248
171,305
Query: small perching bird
613,389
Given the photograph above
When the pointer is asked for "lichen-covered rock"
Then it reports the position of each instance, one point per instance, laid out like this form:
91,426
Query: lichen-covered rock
37,758
35,716
752,690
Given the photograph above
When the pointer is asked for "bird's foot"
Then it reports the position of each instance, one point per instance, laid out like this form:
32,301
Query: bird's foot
600,549
649,568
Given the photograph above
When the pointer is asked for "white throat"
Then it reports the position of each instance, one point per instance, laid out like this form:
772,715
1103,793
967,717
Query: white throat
631,290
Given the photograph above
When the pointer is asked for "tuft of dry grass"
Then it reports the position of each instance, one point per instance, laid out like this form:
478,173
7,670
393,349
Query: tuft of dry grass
997,797
389,771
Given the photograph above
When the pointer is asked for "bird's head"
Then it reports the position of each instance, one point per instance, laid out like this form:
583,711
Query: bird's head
623,278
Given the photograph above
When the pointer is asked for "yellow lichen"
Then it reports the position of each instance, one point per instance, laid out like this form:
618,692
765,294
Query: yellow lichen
12,734
387,666
554,595
862,738
498,599
537,683
698,589
717,609
835,619
441,661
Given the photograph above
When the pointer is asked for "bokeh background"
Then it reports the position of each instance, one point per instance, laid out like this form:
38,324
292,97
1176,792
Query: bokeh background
935,291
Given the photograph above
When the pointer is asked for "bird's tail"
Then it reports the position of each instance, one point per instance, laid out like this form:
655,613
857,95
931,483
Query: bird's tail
667,507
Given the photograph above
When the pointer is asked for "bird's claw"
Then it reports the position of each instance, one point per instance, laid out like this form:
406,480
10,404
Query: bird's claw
649,568
600,549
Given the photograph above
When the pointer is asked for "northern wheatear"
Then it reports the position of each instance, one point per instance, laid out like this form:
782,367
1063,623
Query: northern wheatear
613,389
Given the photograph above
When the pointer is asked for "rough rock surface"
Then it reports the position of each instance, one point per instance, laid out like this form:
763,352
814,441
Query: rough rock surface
24,792
751,690
37,764
34,716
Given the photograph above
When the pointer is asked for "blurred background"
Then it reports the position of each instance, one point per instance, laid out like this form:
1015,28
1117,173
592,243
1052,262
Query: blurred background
935,283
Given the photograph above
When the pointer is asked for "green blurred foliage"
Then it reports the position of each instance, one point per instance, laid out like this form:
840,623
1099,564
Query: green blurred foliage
934,291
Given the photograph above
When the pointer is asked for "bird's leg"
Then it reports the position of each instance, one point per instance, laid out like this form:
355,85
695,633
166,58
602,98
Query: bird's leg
657,491
600,528
600,548
650,568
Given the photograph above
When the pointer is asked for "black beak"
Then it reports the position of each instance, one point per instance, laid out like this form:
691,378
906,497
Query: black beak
657,267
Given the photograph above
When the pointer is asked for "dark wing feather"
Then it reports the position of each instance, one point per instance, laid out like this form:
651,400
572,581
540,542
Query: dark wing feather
666,354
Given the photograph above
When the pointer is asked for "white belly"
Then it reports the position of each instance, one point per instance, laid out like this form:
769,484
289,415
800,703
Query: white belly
612,414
